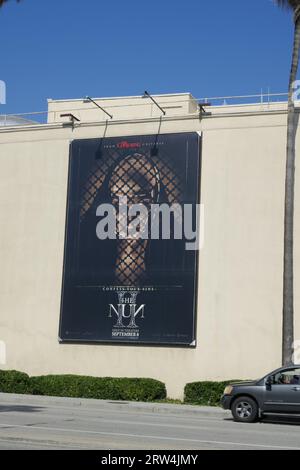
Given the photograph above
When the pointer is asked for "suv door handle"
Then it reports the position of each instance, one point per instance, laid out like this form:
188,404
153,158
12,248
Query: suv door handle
296,389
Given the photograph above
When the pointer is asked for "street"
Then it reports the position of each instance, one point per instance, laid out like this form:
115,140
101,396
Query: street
28,422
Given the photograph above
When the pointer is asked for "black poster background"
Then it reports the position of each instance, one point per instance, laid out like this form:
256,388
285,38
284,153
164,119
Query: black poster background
168,288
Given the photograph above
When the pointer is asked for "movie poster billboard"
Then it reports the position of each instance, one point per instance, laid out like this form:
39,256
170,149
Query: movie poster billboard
130,269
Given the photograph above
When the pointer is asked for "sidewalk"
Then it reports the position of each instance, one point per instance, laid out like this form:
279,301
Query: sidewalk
30,400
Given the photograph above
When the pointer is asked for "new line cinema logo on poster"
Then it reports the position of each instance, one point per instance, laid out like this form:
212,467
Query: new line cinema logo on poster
133,233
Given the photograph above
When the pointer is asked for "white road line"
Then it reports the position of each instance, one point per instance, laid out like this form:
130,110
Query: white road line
91,410
236,427
142,436
99,419
39,443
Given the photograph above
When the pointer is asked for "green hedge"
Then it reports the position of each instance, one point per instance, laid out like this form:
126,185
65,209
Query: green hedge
205,393
105,388
12,381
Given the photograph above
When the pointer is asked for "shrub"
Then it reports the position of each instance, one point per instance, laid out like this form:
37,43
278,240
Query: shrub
205,393
105,388
12,381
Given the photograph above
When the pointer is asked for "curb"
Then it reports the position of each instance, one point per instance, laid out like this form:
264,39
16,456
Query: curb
32,400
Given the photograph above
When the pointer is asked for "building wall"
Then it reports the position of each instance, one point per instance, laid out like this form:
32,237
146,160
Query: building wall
240,266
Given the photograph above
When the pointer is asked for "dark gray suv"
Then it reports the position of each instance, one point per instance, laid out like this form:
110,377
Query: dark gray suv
277,392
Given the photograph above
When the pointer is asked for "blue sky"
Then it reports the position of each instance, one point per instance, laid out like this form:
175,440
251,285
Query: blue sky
71,48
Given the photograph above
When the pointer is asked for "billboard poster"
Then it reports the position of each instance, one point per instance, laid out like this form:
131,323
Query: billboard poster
130,262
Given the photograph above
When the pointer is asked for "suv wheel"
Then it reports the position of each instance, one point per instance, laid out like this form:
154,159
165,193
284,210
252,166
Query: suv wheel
245,410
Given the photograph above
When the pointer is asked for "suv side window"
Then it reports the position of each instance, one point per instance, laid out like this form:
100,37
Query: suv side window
287,377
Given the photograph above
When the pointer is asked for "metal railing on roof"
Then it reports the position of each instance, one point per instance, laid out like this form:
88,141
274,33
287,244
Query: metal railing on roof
23,119
41,117
261,98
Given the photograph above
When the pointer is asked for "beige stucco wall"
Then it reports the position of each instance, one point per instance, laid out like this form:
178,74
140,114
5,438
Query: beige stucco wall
240,265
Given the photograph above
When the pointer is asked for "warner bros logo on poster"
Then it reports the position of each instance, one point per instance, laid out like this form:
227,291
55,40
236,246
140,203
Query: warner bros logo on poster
126,311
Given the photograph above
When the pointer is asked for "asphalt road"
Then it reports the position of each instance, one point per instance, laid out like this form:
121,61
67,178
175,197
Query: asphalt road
42,423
